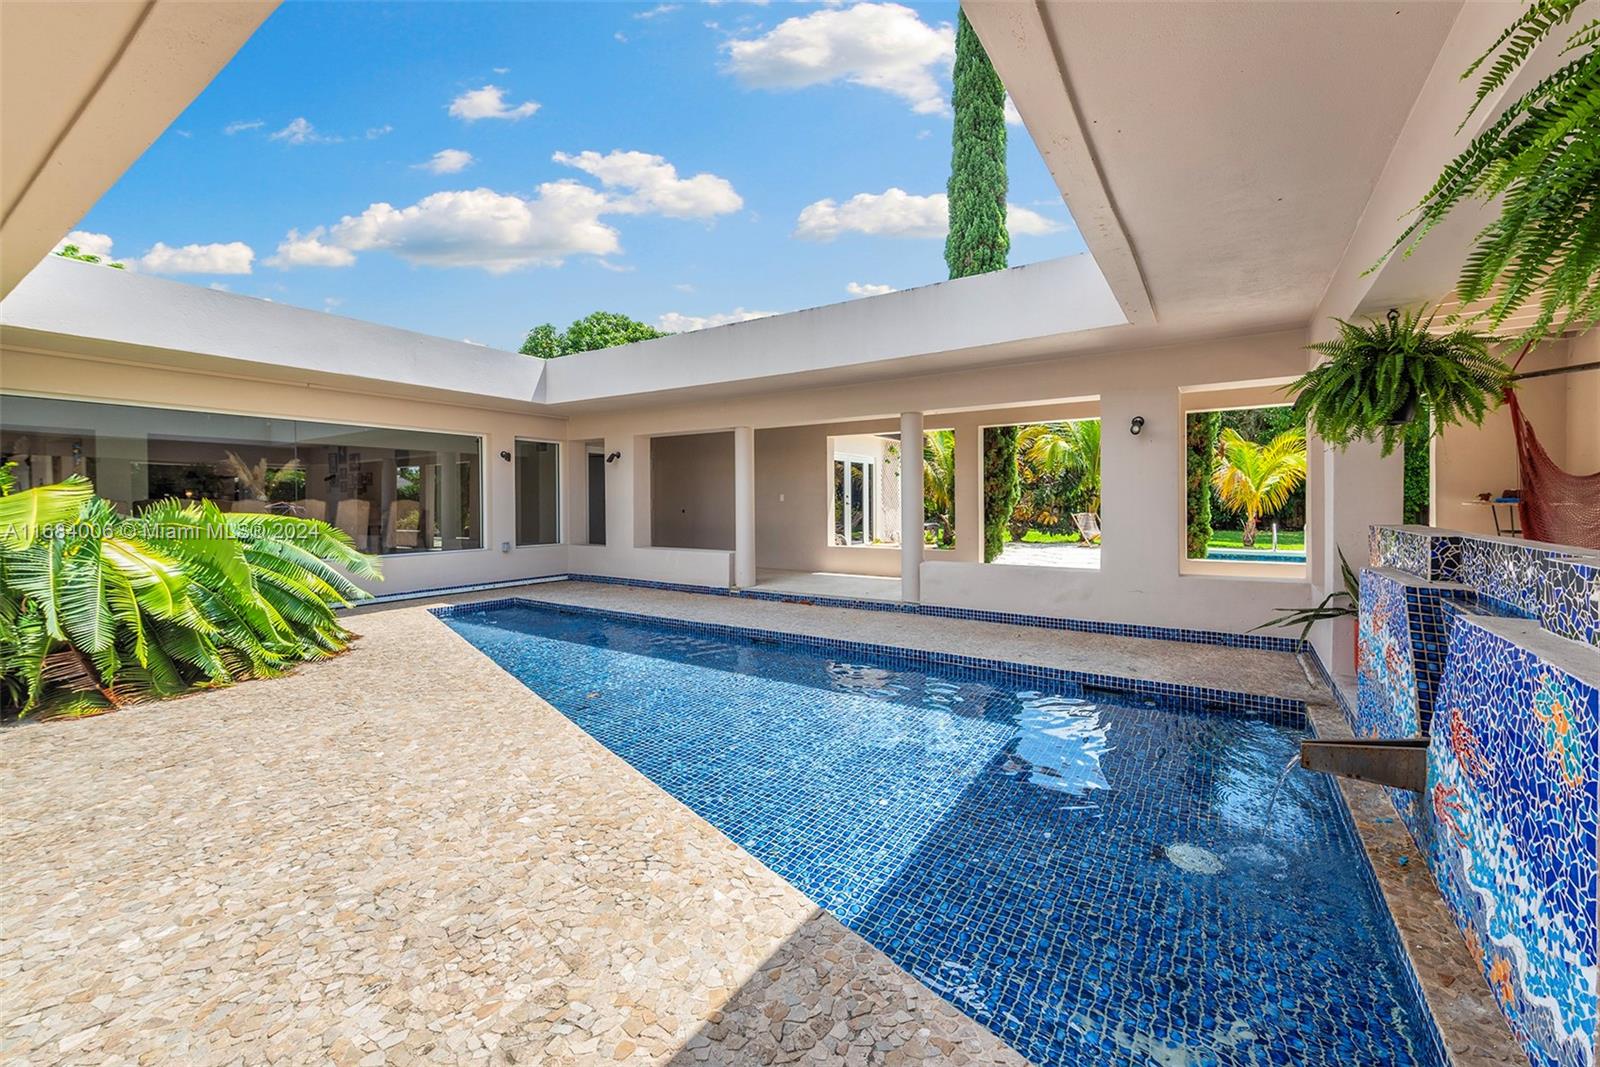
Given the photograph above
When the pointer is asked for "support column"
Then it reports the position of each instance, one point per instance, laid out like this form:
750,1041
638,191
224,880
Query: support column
744,507
911,507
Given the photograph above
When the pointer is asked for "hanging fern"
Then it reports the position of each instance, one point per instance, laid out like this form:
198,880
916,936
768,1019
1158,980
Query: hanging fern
1381,375
1542,157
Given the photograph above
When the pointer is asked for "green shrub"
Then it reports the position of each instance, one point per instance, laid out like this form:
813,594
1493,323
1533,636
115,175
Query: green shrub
99,610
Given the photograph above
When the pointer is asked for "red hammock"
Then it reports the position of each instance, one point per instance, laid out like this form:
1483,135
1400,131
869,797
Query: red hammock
1556,506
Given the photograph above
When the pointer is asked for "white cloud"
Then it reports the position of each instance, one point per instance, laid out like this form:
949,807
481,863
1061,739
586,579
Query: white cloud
331,302
868,289
309,251
652,185
489,103
234,257
379,131
447,161
95,244
240,127
897,213
301,131
482,228
502,70
221,287
658,10
1022,222
891,213
470,341
673,322
880,46
684,287
1013,116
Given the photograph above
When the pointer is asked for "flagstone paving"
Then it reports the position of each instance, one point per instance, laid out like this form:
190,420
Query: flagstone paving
403,856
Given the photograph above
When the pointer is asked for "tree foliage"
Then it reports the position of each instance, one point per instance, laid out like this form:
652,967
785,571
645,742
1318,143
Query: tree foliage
74,252
99,610
1058,474
1000,487
1382,374
1416,492
977,241
1258,479
939,484
596,330
1203,430
1540,160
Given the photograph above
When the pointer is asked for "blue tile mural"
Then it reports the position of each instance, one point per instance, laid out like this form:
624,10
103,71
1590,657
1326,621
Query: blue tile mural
1450,625
1512,788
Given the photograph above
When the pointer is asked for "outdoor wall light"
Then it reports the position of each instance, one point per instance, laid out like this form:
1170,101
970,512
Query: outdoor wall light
613,457
505,455
1137,425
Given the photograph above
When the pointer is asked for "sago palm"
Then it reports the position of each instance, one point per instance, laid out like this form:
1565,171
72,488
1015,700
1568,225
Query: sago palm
1257,479
98,610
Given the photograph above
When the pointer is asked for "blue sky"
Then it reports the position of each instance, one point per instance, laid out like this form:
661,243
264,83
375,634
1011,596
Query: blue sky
472,169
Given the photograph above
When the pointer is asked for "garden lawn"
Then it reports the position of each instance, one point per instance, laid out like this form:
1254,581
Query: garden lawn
1287,540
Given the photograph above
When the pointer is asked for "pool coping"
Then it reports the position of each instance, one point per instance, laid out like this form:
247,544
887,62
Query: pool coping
1258,642
1464,1024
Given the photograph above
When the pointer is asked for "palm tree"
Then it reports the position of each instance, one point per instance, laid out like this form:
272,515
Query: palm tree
1066,448
98,609
939,483
1258,479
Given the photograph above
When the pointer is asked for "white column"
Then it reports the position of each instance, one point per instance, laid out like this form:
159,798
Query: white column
744,507
911,507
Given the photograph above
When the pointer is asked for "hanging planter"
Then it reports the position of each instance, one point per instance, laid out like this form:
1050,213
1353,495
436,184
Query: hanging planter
1380,376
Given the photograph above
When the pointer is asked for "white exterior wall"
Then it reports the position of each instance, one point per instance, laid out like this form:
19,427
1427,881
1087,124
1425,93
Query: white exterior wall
1143,511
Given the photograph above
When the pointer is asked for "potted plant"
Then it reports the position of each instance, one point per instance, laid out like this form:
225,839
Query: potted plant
1381,375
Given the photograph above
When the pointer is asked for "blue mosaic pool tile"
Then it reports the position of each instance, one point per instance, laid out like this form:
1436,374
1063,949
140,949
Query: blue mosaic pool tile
1514,802
1100,882
1280,710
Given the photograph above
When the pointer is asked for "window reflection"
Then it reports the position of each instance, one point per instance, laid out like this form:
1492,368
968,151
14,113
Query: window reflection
391,490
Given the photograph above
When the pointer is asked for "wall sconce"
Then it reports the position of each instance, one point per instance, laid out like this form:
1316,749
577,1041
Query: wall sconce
505,455
613,457
1137,425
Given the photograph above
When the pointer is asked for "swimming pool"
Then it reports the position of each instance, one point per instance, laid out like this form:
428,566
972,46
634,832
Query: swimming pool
1099,882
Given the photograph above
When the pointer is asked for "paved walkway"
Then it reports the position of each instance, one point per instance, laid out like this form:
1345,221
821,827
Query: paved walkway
1058,554
404,856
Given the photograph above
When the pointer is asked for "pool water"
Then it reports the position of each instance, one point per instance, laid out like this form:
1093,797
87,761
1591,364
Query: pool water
1097,882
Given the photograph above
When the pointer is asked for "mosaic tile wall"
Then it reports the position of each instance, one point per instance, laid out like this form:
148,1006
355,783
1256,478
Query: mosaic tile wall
1509,819
1402,631
1558,587
1512,793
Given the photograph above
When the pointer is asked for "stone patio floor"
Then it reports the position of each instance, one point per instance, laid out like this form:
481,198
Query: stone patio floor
404,856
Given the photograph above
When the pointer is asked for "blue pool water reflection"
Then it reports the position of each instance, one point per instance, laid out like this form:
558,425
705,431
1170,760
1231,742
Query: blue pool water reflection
1097,882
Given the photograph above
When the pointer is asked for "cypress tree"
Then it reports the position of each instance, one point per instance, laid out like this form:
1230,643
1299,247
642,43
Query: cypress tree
978,242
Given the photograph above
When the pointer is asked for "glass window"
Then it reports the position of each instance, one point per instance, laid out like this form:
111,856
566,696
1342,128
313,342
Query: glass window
391,490
538,493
